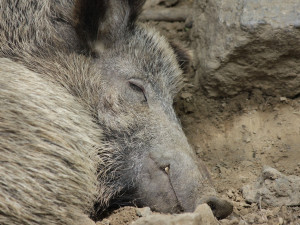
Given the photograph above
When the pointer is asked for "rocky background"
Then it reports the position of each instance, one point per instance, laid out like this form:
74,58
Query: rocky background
240,107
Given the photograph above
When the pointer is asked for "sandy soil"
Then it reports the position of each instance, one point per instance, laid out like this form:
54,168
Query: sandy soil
235,137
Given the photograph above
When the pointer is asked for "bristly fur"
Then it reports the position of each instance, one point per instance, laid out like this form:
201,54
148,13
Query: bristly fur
183,56
136,8
69,140
87,17
92,19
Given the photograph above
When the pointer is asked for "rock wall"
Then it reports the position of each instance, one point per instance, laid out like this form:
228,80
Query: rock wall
245,44
274,189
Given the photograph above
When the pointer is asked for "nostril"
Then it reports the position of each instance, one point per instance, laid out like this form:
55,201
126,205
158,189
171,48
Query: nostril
219,207
212,206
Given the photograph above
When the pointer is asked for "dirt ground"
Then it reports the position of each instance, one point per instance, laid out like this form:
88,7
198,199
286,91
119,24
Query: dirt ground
235,137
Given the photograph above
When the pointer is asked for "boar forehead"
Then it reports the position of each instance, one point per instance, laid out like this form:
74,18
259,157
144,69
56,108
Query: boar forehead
146,55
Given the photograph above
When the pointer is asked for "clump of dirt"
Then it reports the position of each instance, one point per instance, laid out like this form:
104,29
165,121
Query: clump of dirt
121,216
235,137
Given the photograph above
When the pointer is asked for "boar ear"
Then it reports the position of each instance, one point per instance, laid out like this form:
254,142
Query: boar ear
105,21
183,56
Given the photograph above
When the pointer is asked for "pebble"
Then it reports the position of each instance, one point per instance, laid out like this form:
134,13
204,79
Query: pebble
169,3
185,95
142,212
283,99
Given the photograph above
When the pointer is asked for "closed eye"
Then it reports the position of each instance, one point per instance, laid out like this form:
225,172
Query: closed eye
138,87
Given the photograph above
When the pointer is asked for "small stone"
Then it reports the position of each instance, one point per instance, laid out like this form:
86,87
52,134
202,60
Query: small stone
151,3
142,212
170,3
244,211
283,99
278,137
189,24
271,173
205,215
103,222
202,215
233,221
244,179
230,193
280,221
185,95
242,222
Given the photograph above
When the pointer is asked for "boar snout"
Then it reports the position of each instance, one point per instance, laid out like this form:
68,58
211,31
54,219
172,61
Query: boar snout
178,186
172,180
191,183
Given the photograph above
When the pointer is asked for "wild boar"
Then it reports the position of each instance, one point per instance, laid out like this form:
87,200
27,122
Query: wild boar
86,115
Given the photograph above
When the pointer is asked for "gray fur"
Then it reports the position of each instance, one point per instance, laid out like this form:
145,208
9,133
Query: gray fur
87,119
